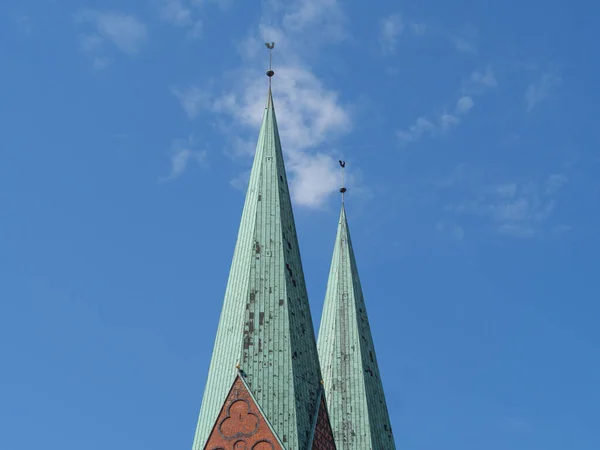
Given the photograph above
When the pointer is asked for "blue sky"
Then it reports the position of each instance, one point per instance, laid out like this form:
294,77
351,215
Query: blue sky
470,131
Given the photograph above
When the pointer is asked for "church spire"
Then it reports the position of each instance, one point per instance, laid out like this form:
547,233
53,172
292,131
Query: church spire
264,369
353,387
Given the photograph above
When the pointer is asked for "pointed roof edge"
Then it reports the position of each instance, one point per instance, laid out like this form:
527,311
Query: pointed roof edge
270,104
241,377
302,417
343,231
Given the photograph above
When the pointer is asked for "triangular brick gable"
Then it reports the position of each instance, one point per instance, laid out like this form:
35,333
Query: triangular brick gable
323,437
241,425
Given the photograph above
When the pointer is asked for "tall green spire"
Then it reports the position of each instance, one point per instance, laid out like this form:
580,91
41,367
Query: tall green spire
353,387
265,332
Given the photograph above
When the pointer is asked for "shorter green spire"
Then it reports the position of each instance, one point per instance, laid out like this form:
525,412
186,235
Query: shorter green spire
353,387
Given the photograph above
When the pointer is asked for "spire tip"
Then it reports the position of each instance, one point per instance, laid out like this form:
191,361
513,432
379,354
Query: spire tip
343,188
270,46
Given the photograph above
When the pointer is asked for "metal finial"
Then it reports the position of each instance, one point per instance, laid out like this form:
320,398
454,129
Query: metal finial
270,46
343,189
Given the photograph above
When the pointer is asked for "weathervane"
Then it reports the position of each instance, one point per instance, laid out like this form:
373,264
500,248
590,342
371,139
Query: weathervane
270,46
343,189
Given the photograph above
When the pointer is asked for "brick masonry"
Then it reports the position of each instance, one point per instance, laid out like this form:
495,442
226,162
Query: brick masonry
323,434
240,425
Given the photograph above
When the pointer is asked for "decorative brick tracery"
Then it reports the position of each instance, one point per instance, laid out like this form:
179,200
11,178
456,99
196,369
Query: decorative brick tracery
240,425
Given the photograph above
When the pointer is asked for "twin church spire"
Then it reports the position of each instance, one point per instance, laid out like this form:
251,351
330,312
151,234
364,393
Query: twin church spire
265,389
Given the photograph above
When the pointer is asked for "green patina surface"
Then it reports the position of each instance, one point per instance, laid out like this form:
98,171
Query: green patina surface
265,323
353,387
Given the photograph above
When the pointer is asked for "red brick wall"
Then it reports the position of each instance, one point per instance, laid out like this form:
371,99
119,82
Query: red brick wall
240,425
323,435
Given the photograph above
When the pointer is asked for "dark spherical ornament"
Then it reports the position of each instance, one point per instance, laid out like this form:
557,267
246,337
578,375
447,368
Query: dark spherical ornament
342,190
270,73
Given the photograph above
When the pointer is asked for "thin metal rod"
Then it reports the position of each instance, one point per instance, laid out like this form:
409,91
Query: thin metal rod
343,188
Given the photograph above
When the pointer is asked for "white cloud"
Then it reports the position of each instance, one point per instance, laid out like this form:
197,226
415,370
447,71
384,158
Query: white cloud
182,152
477,84
419,128
101,62
464,105
444,122
182,14
240,182
196,31
192,99
464,45
325,14
513,208
448,121
176,13
391,28
465,42
555,182
125,31
540,90
309,114
506,190
316,176
485,79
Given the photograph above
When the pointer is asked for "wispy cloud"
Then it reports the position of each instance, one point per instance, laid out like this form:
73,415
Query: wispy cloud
391,28
182,153
513,208
182,14
540,90
125,32
451,229
464,45
325,15
441,124
240,182
309,114
176,13
477,83
555,182
192,99
394,25
464,105
465,41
